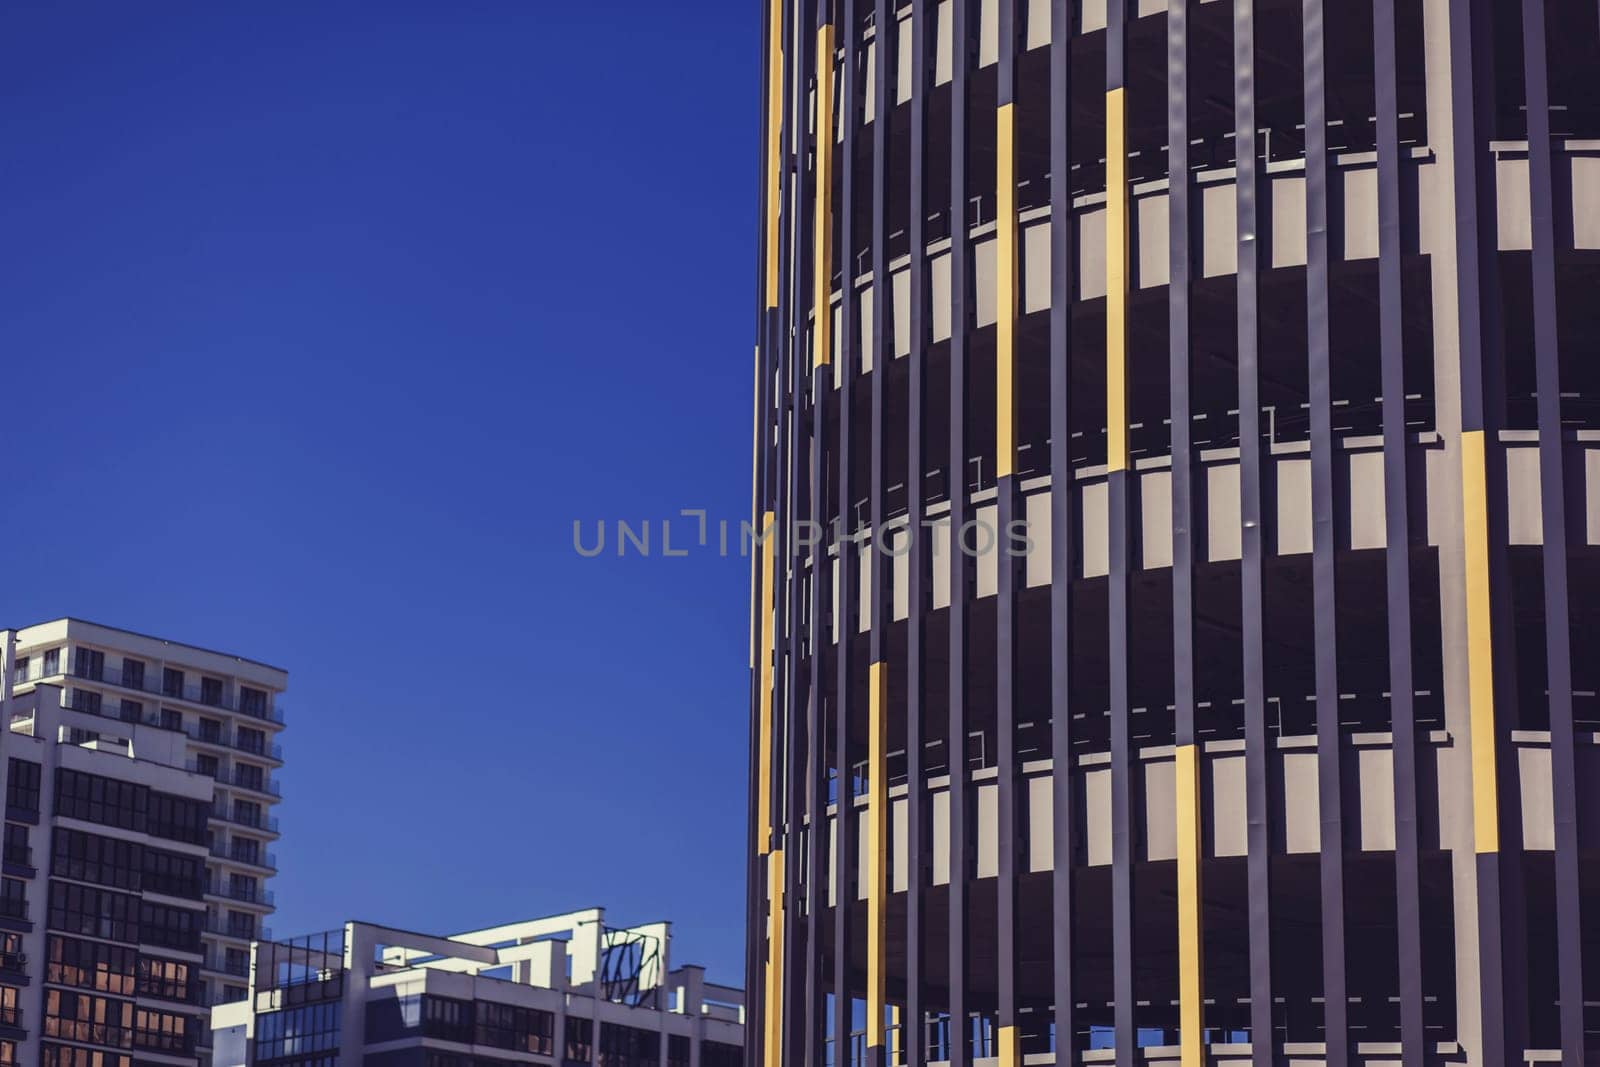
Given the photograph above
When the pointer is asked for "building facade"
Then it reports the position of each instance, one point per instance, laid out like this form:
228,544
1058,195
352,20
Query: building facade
102,883
564,989
1177,451
222,714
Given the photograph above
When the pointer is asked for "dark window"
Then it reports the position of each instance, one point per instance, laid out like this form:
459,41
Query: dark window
52,663
91,965
178,818
174,874
513,1027
132,673
131,711
211,691
628,1046
236,961
83,1017
580,1039
22,785
89,663
677,1050
13,898
171,682
232,994
247,813
447,1019
241,924
207,765
247,739
253,701
171,719
246,850
63,1056
211,730
105,861
177,928
299,1032
81,909
243,887
17,850
167,979
102,800
162,1031
83,700
250,776
19,673
720,1054
11,955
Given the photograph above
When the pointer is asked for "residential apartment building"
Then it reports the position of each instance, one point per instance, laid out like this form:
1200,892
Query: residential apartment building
102,891
1203,401
222,713
566,989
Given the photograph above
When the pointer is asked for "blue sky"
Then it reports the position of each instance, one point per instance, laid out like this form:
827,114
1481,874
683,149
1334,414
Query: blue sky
322,322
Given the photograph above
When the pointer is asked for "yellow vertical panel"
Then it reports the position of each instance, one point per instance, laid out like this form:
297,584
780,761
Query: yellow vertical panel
755,476
764,719
774,143
877,881
1005,303
1480,645
1116,282
1009,1050
1190,990
822,238
772,1045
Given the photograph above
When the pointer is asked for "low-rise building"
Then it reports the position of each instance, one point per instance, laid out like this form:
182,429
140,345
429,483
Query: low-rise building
563,989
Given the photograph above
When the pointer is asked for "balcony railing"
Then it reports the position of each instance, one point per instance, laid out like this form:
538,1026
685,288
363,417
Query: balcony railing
13,908
108,709
259,785
250,894
271,711
234,741
268,823
247,931
219,962
260,858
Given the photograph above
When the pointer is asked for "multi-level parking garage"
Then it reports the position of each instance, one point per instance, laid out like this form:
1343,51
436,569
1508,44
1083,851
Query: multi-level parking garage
1278,323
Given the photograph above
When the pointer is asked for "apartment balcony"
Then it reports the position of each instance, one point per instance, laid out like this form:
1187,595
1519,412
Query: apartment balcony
248,894
250,931
218,963
223,738
262,859
264,786
85,703
266,824
14,968
272,711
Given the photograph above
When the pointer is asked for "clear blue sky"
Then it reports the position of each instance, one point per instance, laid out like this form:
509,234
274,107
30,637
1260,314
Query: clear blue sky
321,323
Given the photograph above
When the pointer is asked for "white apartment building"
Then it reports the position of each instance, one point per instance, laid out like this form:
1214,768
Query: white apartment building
102,883
222,713
565,989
